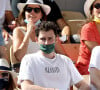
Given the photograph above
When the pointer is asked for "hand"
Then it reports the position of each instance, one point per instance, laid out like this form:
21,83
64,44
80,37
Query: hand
5,34
30,27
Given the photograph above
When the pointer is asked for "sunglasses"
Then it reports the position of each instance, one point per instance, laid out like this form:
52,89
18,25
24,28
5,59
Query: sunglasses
36,10
4,75
97,5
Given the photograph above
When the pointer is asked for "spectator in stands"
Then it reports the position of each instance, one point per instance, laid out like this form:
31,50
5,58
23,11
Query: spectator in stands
94,68
24,35
31,14
45,69
90,36
7,77
6,17
55,15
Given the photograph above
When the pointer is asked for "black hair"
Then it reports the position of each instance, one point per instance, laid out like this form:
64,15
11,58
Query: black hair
46,26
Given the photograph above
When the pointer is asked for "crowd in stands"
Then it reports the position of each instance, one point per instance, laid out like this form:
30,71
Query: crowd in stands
34,29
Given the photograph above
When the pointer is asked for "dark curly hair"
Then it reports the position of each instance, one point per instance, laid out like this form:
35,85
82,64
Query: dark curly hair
46,26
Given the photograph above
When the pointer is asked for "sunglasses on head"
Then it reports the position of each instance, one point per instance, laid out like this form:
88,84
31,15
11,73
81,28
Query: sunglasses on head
97,5
36,10
4,75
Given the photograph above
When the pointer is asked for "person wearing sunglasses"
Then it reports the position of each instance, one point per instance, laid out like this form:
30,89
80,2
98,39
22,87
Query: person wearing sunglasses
46,70
90,35
31,14
7,77
55,16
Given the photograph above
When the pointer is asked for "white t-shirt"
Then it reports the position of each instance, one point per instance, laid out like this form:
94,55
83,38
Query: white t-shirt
58,72
95,61
4,5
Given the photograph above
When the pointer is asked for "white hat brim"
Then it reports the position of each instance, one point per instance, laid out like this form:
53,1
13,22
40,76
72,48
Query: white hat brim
87,6
45,8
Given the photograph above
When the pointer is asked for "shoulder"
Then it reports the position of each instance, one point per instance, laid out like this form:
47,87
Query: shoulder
27,59
64,58
95,56
88,28
88,25
18,30
30,56
96,49
30,59
95,53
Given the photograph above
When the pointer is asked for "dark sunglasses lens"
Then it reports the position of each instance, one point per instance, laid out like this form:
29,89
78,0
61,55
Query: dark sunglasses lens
36,10
97,6
28,9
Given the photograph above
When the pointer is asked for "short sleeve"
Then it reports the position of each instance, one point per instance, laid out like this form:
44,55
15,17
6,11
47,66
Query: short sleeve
87,32
76,77
25,70
95,58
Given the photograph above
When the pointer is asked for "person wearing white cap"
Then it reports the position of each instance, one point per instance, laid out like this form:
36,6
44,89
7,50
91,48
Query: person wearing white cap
7,77
90,35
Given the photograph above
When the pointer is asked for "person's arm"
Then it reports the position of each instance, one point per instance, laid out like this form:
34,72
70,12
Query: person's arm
88,36
21,41
82,85
94,67
19,46
64,27
90,44
56,16
28,85
95,77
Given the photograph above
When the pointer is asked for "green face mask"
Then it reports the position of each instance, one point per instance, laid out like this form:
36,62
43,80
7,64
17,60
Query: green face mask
47,48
